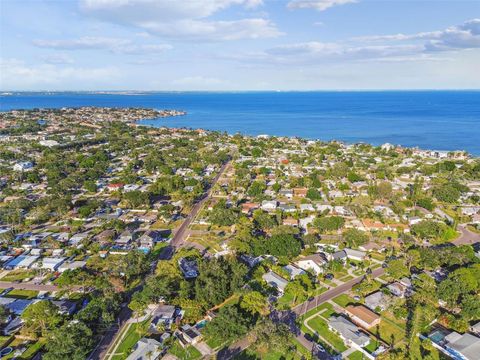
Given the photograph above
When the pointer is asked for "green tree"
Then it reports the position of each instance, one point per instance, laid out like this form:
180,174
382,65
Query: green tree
255,303
329,223
230,324
355,237
71,341
41,317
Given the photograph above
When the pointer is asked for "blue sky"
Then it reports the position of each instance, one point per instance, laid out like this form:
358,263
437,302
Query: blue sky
239,44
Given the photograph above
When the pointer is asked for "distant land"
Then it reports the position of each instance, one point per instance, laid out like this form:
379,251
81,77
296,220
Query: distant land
440,120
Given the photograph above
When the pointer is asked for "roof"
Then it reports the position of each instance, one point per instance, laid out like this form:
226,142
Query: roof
22,261
316,258
143,347
275,280
293,270
467,344
363,313
356,253
348,330
165,311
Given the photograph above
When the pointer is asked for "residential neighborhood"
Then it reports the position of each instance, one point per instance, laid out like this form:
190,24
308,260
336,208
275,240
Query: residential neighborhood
121,241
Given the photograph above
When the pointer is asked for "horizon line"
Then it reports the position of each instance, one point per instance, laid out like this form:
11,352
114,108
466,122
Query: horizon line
5,92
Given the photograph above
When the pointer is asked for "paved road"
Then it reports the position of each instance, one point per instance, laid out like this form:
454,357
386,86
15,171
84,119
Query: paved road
467,238
28,286
330,294
100,352
182,232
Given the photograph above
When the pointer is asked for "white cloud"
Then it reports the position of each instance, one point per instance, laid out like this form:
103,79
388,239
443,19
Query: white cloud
16,74
186,19
115,45
319,5
464,36
215,30
57,58
317,51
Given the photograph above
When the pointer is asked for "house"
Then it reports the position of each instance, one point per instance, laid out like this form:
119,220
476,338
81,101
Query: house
338,256
189,268
52,263
275,281
12,326
66,307
306,207
355,254
288,193
269,205
17,306
71,266
77,238
300,192
288,208
348,331
189,335
23,166
250,260
376,300
290,222
362,316
21,262
124,238
163,316
149,238
293,271
398,289
315,263
462,346
249,207
115,186
146,349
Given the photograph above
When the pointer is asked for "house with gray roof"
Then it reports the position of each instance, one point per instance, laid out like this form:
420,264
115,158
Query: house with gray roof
275,281
146,349
376,300
348,331
463,346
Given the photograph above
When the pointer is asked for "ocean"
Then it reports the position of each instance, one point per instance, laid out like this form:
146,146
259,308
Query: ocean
440,120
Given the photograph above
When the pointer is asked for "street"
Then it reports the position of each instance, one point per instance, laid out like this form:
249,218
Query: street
178,240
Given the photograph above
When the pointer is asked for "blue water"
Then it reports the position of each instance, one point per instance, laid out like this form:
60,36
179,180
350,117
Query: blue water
441,120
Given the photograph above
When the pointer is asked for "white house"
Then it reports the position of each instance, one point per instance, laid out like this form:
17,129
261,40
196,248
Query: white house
23,166
269,205
314,263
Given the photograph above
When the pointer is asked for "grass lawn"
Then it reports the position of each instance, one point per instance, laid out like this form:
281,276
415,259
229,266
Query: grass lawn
31,349
133,334
300,348
22,294
377,256
188,353
326,310
346,278
18,275
374,344
343,300
357,355
285,301
321,327
4,340
389,328
316,310
208,241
